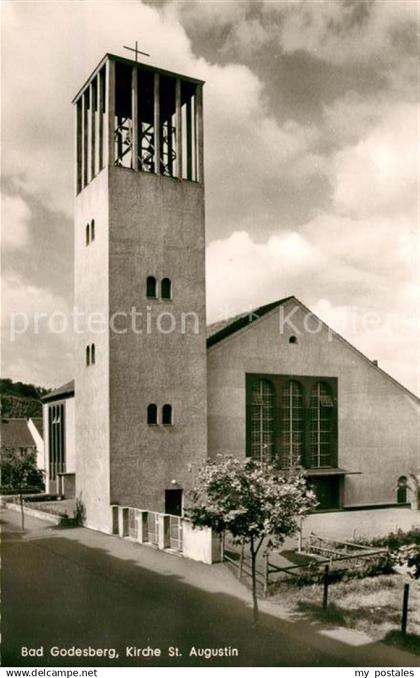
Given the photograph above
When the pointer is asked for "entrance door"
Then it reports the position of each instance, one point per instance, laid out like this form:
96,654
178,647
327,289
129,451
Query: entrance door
327,490
173,502
402,490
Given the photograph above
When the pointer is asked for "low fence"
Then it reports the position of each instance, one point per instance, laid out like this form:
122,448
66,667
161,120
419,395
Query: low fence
315,553
166,532
175,533
337,550
320,552
152,532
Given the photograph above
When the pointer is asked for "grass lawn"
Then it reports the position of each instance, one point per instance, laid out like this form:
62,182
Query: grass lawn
372,605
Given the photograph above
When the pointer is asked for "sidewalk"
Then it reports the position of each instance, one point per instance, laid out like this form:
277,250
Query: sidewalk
351,647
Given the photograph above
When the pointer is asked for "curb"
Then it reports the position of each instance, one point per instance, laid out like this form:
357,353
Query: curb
34,513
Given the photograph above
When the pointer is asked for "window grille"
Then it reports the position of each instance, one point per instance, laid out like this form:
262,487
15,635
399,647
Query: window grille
321,425
262,420
292,424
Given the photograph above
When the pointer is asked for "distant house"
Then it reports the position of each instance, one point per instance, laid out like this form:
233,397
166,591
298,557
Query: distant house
23,434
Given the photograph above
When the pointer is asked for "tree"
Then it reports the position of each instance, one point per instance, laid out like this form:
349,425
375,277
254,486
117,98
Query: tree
254,501
19,472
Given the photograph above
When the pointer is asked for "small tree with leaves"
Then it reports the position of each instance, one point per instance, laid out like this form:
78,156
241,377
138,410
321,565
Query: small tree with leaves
19,472
256,502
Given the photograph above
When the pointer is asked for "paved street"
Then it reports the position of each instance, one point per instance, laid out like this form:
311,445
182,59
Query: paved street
76,587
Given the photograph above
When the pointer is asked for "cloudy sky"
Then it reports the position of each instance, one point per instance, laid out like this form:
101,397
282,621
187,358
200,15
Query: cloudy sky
311,130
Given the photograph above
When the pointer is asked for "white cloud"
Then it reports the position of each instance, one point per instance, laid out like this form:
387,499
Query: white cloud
70,40
34,347
15,214
342,32
332,31
388,335
348,271
243,141
379,174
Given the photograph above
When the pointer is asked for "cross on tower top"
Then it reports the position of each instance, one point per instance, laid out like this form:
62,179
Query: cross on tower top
136,50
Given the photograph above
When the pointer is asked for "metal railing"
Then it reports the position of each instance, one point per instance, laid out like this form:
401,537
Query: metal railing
175,533
133,529
153,528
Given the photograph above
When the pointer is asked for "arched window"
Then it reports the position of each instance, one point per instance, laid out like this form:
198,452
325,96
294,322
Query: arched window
152,414
87,234
92,229
167,414
322,407
87,356
151,287
166,288
92,354
262,420
402,490
291,439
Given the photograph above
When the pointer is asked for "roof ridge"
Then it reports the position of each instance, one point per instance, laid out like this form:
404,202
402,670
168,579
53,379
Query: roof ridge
235,323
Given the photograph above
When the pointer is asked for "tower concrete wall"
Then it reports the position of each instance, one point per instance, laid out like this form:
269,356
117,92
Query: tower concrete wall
92,383
156,229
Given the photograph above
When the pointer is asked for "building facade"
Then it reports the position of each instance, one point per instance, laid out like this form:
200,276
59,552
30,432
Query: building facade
151,399
283,385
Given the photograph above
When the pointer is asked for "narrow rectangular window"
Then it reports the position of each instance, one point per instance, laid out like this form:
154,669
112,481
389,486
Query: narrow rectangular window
63,441
168,130
189,166
85,105
101,112
79,146
50,442
123,123
93,98
146,121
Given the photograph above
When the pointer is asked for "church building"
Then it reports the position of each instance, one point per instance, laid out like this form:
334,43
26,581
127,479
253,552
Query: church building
156,393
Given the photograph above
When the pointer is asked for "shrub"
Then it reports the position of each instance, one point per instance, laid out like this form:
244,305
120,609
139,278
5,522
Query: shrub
395,540
407,560
314,573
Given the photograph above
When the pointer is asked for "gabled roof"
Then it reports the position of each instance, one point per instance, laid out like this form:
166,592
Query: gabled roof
65,391
218,331
15,433
224,328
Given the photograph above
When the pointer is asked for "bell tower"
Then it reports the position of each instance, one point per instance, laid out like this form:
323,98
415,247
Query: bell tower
140,381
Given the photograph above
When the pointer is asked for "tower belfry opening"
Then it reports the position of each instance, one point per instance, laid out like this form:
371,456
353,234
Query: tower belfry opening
135,116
